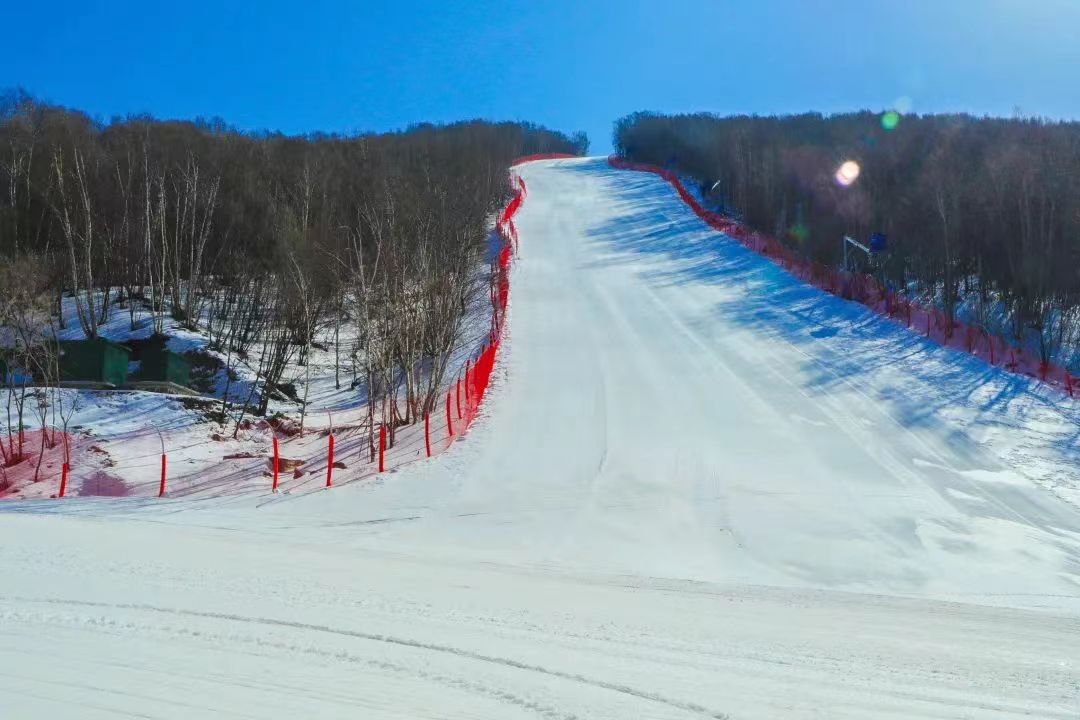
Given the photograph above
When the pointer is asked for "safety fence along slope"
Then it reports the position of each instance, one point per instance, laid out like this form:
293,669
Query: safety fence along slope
542,156
936,325
322,457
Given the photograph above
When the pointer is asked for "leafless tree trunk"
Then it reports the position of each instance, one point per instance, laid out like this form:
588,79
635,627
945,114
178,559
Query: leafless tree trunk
76,214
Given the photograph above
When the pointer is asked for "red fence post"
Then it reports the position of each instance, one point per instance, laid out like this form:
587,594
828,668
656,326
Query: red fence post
449,424
330,460
467,384
458,397
478,375
64,474
274,489
427,433
161,488
474,382
382,446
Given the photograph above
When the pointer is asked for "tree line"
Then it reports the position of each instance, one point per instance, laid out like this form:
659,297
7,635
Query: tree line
263,241
981,213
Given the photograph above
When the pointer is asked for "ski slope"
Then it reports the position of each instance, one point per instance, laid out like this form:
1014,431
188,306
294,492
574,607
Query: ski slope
696,488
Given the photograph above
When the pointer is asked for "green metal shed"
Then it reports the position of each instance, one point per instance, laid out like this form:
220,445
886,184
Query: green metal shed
159,364
97,361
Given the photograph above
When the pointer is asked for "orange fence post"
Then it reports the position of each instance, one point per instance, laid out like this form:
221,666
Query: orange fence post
274,489
427,433
467,383
330,460
63,480
382,445
449,425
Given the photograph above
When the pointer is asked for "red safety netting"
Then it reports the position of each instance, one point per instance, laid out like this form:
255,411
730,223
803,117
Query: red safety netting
542,156
388,447
378,447
452,417
931,322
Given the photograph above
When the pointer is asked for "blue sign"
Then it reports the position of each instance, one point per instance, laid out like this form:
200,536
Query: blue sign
878,244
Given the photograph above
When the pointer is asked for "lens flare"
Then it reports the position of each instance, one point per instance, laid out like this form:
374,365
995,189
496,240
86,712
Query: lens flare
798,232
890,120
848,173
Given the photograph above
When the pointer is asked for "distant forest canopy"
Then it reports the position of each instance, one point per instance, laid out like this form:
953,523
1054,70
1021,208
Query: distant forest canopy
980,210
49,154
259,239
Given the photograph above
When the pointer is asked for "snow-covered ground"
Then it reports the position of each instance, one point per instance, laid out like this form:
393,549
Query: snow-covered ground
696,488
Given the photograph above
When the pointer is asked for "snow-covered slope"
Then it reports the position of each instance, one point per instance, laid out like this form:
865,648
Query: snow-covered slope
696,489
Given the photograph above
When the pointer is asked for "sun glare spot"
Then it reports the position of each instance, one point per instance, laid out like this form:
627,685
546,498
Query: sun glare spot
848,173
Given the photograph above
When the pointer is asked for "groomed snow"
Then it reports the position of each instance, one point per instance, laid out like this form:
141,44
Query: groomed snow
696,488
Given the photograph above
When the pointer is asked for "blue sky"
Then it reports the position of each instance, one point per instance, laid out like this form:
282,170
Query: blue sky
343,66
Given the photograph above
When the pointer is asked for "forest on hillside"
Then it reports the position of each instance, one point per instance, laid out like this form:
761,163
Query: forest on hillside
256,239
982,215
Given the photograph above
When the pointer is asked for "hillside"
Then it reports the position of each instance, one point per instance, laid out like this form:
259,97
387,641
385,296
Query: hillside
697,488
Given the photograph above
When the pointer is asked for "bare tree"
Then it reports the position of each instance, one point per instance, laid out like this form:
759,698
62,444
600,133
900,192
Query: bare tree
77,217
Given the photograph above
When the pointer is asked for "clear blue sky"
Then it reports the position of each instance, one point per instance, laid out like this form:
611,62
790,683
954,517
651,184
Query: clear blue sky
572,65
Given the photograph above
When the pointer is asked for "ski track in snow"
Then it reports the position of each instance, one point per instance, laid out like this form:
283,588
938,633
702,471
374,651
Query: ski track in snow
696,488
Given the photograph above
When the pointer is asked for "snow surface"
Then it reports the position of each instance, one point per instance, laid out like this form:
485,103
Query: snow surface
697,488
